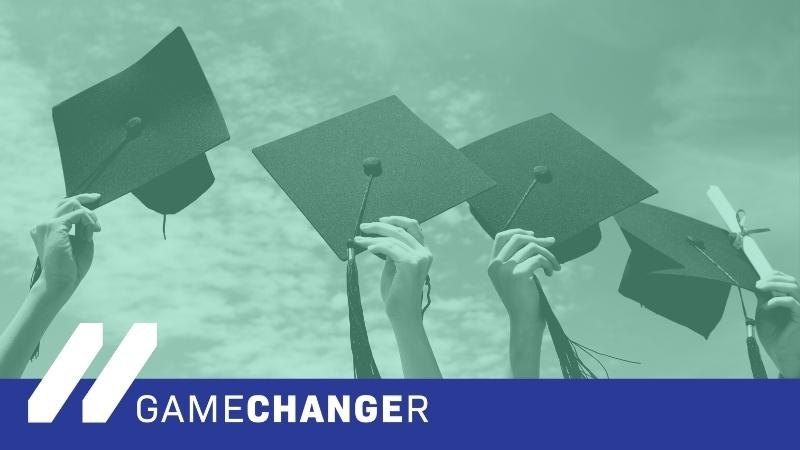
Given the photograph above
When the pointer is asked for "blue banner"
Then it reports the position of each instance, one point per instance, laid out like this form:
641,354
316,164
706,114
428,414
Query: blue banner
191,413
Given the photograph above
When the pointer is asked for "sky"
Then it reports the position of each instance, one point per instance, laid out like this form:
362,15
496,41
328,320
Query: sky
687,94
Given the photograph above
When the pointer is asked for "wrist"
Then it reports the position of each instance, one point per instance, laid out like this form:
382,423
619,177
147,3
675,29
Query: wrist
403,315
527,318
47,299
408,329
523,306
519,295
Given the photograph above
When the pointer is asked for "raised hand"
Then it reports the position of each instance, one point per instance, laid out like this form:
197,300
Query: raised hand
66,259
778,322
515,258
399,240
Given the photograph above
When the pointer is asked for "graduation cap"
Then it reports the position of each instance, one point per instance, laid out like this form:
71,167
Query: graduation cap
375,161
144,130
683,269
553,180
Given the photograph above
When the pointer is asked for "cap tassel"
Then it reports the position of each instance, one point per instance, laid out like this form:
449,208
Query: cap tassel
753,352
427,295
133,128
571,365
363,362
37,272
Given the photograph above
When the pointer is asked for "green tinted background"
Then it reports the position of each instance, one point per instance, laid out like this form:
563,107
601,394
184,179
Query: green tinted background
686,93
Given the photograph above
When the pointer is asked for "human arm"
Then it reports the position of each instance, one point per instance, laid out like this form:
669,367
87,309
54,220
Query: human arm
778,322
65,259
408,261
516,256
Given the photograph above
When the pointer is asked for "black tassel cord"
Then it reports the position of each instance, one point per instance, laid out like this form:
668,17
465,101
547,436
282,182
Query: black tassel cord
753,352
363,361
427,295
133,128
572,367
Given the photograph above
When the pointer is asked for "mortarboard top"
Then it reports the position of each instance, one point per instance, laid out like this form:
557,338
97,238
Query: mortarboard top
144,130
375,161
579,185
555,182
321,169
669,274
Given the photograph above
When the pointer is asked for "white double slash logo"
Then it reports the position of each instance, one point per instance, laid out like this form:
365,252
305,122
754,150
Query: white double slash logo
111,385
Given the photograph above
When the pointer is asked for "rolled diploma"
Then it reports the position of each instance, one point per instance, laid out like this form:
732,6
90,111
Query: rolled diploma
751,249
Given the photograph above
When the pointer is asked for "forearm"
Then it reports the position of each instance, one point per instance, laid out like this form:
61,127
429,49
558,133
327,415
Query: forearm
416,354
525,344
20,338
788,364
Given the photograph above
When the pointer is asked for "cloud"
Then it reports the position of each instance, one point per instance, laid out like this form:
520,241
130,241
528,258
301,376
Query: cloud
731,119
460,113
27,150
712,89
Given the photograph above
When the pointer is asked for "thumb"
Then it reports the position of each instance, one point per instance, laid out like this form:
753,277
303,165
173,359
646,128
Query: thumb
84,233
38,234
389,268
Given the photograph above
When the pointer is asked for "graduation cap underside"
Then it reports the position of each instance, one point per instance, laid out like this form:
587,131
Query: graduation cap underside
681,268
144,130
378,160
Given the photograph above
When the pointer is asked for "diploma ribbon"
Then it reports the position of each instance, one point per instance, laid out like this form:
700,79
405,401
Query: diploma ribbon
738,238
